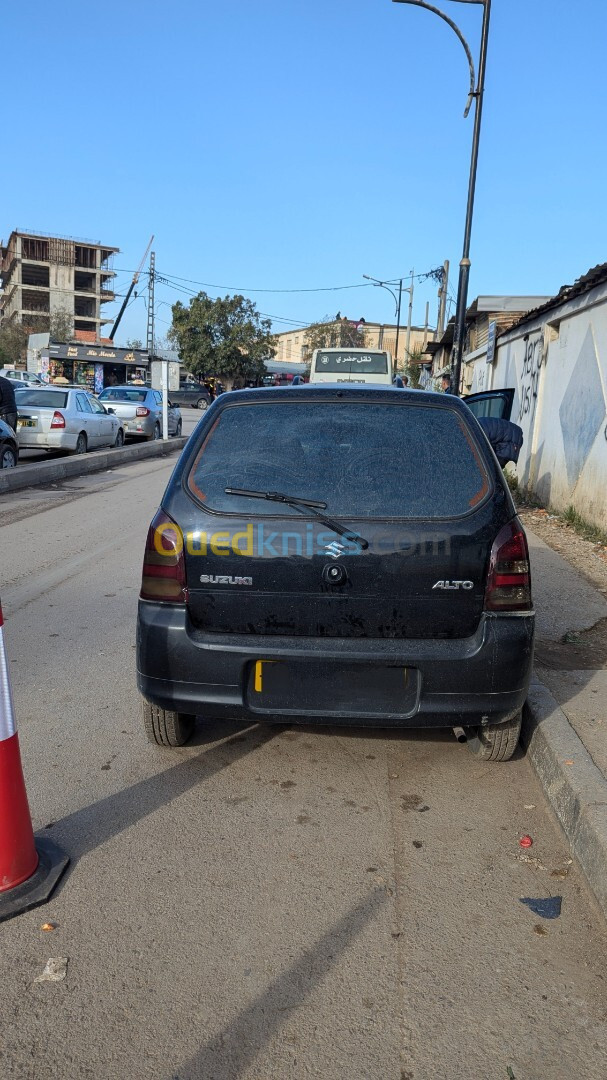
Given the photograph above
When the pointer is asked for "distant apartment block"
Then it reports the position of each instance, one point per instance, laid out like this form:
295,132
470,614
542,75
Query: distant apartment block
291,344
47,275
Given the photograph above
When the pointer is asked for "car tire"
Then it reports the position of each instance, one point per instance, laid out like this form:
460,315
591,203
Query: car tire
8,457
165,727
202,404
119,440
156,434
178,429
81,446
495,742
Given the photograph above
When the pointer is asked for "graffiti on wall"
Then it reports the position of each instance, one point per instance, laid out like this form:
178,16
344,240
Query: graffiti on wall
530,377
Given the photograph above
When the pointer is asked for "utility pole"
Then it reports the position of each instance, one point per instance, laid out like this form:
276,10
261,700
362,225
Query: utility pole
130,290
400,293
426,323
408,338
442,301
151,346
151,276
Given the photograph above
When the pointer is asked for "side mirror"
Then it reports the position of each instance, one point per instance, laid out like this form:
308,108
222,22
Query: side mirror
112,411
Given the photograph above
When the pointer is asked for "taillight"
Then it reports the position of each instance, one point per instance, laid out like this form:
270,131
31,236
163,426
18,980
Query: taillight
509,581
142,411
163,577
58,419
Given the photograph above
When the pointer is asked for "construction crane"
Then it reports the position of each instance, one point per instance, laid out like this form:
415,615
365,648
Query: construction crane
130,290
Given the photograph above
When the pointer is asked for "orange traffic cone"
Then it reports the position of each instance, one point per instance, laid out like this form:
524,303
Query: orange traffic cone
29,869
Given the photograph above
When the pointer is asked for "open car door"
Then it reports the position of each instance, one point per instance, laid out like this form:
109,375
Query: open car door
496,403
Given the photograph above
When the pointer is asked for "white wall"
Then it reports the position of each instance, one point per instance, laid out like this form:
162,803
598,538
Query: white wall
557,364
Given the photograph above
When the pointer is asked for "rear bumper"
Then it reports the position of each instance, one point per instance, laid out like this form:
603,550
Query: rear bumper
469,681
47,440
134,430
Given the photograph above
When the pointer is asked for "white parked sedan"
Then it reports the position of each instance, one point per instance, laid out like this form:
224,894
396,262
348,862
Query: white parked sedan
64,419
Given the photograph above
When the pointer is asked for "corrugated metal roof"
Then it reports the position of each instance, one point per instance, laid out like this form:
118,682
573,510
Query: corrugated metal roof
596,276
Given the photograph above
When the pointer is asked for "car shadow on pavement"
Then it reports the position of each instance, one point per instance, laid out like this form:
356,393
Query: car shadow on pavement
230,1052
88,828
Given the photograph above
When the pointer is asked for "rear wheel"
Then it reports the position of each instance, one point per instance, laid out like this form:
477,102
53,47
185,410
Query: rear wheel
202,404
8,457
156,433
165,727
80,447
496,742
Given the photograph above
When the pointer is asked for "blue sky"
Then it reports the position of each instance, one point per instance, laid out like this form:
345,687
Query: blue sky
303,143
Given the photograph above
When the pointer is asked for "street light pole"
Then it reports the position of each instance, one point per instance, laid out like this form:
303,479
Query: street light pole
410,316
400,293
475,94
383,285
464,266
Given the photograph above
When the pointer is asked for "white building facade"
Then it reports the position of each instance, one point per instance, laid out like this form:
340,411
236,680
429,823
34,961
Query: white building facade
555,359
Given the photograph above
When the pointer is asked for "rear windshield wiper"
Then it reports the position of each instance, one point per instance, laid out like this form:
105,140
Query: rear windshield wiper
299,504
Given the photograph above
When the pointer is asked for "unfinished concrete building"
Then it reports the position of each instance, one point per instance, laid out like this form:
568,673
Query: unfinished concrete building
43,276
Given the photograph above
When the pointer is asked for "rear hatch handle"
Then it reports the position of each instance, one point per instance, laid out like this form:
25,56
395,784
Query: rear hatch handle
301,505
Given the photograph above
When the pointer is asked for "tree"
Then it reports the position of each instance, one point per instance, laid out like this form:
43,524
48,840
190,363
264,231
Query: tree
13,344
134,343
413,369
225,337
61,326
335,333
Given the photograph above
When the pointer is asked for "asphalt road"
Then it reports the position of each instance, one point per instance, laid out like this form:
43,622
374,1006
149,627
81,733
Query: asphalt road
266,903
190,418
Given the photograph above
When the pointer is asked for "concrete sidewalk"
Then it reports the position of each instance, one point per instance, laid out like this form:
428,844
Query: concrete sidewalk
566,723
57,469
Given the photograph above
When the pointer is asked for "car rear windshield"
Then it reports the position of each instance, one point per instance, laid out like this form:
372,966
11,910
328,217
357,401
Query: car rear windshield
363,459
348,362
118,394
46,399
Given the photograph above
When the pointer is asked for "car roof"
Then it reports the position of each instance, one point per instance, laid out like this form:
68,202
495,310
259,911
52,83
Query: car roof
128,386
345,391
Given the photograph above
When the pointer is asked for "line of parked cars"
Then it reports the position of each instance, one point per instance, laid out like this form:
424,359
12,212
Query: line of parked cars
73,419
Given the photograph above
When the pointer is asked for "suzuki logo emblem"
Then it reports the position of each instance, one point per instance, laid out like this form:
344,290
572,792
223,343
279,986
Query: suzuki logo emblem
334,549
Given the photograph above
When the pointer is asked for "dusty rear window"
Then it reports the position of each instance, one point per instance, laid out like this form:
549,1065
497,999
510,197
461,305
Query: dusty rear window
123,394
362,459
44,399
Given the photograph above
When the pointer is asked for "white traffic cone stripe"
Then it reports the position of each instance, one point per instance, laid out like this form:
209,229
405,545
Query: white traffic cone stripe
8,726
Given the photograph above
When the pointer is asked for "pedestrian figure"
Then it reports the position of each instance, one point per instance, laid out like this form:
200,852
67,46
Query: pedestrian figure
8,408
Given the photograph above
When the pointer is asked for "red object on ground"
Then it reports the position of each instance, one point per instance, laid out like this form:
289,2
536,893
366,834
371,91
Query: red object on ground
525,841
29,869
18,855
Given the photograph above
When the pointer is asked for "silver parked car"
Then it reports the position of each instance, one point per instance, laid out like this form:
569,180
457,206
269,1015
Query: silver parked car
9,450
64,419
17,375
139,409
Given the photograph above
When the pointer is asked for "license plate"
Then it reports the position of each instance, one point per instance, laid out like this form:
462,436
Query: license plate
25,423
332,688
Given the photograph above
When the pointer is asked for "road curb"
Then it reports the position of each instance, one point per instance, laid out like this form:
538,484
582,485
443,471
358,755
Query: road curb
49,472
572,783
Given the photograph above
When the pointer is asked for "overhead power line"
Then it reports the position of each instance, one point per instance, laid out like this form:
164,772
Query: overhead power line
163,280
435,274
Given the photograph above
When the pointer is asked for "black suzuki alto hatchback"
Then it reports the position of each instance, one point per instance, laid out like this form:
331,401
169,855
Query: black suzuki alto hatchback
337,555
